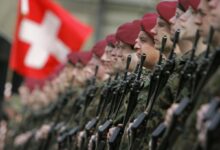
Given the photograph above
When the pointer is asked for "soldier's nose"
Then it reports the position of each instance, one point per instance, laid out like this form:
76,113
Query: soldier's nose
172,20
213,3
198,20
138,53
137,46
153,31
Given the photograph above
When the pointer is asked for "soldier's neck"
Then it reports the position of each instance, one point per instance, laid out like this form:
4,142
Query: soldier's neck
185,45
201,47
216,41
104,77
169,49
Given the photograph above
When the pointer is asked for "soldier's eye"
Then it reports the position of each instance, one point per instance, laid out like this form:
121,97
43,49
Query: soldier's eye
177,15
142,39
193,12
201,13
160,24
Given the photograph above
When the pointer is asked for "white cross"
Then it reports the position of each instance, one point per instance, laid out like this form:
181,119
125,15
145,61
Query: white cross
43,41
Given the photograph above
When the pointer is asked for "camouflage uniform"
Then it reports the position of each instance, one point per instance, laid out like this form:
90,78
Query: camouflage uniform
188,138
165,98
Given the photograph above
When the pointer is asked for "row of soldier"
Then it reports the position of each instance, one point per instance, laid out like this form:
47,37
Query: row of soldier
153,84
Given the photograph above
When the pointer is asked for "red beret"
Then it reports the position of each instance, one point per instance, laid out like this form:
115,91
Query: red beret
72,57
183,4
128,32
148,22
59,68
85,57
111,39
148,14
166,9
194,4
56,72
99,48
32,83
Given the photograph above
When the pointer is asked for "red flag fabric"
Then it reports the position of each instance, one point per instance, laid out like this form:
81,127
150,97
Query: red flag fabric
45,34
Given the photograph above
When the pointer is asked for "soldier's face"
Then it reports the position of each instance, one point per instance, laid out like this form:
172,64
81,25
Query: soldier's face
64,81
114,59
123,51
188,26
68,70
203,18
24,92
215,16
175,22
161,29
89,69
107,60
144,44
79,75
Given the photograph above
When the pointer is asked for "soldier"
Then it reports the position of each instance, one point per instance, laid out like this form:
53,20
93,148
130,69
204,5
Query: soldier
189,28
78,73
145,43
98,51
182,6
126,35
106,58
214,8
166,10
204,19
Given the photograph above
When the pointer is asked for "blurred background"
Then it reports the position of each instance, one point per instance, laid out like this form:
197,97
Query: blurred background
103,15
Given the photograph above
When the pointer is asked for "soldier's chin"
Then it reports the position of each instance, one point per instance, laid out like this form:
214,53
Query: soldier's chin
204,34
109,71
157,45
172,39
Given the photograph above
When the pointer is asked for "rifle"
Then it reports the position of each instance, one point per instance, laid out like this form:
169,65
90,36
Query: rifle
46,143
90,127
115,139
189,68
156,134
121,91
156,72
89,94
112,96
204,63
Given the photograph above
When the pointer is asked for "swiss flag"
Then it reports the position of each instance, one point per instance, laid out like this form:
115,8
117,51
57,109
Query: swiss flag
45,34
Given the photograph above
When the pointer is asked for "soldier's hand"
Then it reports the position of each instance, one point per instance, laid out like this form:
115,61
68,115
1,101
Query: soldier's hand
80,137
169,114
91,141
200,116
3,132
110,132
22,138
201,124
42,133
